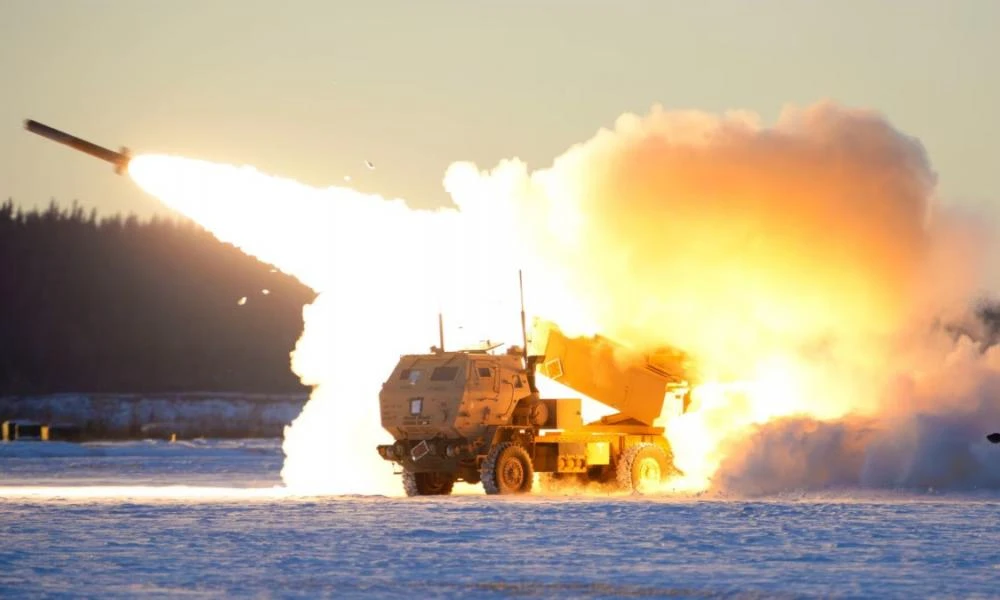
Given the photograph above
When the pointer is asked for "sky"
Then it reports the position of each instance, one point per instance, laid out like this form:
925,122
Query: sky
312,89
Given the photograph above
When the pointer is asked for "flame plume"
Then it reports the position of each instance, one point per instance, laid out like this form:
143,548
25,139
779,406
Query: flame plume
801,264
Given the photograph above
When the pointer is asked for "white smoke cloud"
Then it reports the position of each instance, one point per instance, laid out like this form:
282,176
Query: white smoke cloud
806,262
808,259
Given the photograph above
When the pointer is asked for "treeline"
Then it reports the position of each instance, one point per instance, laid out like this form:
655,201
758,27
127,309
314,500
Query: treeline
119,304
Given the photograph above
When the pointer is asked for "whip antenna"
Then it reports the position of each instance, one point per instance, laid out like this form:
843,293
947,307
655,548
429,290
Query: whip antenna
524,327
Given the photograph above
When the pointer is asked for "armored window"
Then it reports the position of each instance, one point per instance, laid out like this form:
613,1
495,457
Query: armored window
517,381
444,374
411,375
485,372
416,405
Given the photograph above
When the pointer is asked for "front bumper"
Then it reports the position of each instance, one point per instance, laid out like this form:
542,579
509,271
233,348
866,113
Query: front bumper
438,455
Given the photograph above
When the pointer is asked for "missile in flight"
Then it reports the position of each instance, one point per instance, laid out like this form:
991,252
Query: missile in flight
119,159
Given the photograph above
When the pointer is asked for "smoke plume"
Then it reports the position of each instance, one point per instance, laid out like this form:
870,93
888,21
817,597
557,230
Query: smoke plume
807,266
383,272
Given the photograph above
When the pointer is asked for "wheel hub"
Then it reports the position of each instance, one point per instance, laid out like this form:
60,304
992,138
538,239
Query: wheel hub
513,473
649,472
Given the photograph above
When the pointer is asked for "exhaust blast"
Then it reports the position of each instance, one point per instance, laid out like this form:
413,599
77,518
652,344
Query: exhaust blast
804,265
383,272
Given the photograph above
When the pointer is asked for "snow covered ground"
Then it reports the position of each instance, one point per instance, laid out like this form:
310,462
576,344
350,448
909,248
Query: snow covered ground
208,518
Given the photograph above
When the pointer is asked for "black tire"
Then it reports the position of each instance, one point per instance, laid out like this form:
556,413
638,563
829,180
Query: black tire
643,468
507,470
427,484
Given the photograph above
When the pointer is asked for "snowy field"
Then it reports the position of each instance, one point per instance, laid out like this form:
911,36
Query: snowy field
203,518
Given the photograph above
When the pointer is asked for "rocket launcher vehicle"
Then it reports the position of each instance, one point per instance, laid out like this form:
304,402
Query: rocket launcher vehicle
478,417
119,159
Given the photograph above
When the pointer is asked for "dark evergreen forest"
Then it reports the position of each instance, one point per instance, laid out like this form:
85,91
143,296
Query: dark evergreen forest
122,305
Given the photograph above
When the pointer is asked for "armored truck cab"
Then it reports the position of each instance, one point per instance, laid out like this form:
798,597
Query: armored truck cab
452,395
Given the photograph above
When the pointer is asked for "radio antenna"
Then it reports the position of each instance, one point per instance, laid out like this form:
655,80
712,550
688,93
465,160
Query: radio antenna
524,326
441,330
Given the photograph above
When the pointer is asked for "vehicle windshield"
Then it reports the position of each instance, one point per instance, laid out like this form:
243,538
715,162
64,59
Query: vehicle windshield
412,376
444,374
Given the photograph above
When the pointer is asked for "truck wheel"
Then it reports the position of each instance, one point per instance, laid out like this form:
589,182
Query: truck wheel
427,484
642,468
507,470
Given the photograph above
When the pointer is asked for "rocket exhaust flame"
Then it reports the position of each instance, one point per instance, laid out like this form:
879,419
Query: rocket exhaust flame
383,273
804,266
